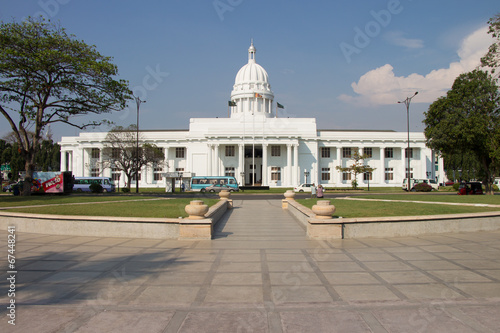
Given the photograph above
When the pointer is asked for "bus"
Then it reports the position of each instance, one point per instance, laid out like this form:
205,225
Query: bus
82,184
200,183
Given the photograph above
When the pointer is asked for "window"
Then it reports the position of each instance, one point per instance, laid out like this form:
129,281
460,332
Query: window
367,176
115,173
95,153
411,153
230,171
230,150
115,153
346,176
275,173
252,166
411,172
275,151
346,152
325,152
389,153
180,152
157,173
325,174
134,178
389,173
94,172
368,152
179,169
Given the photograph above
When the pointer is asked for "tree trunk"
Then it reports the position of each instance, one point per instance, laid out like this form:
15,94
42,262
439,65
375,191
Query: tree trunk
28,179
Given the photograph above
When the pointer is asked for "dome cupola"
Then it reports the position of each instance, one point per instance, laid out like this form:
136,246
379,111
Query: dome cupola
252,91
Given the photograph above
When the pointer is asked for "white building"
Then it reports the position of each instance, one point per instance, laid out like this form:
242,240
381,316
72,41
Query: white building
259,148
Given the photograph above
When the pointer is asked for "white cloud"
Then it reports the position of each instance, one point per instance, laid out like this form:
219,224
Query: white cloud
381,86
396,38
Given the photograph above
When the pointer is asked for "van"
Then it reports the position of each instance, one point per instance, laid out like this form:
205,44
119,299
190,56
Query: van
82,184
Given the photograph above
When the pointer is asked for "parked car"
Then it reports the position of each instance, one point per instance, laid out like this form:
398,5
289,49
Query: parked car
449,183
470,188
413,182
303,188
218,188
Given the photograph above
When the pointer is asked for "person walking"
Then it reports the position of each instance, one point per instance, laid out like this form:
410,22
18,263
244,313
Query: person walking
320,191
313,191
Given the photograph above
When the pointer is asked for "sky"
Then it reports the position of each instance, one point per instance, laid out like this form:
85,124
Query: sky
345,63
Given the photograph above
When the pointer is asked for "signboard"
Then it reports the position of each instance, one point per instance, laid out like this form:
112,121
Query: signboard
5,167
47,182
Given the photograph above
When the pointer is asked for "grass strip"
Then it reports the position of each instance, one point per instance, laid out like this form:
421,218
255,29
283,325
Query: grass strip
34,200
470,199
352,208
171,208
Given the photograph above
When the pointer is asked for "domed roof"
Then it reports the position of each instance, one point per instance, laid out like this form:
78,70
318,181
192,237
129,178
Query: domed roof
252,73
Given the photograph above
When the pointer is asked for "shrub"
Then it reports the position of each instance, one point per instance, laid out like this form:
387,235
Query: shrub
125,190
495,188
423,187
95,188
456,186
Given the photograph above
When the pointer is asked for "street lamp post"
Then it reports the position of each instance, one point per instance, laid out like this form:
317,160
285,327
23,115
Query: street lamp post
138,101
407,103
306,173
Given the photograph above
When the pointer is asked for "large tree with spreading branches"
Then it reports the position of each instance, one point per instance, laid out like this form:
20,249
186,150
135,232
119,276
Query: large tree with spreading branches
122,154
48,76
467,121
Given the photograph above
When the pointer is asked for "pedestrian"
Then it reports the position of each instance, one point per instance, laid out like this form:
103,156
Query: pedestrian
183,187
313,191
320,191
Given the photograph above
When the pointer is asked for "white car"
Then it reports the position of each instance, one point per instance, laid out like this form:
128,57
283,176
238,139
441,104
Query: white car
413,182
303,188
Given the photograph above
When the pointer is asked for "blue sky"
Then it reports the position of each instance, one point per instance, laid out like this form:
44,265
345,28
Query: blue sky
346,63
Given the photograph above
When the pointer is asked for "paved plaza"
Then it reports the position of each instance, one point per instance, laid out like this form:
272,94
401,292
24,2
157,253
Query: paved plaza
259,274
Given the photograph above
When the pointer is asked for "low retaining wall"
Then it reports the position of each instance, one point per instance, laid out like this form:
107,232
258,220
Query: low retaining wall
127,227
400,226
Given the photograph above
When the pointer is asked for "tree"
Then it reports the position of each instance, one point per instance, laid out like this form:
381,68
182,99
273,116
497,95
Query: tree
467,121
492,58
121,152
47,76
357,167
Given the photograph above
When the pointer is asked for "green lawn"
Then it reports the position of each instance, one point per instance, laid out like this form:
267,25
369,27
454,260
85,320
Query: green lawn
16,201
352,208
169,208
473,199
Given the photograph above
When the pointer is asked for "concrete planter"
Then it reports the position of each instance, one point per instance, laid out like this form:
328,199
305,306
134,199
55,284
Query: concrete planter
323,209
196,210
289,195
224,195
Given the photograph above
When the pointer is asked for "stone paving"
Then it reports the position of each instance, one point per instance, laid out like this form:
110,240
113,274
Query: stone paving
259,274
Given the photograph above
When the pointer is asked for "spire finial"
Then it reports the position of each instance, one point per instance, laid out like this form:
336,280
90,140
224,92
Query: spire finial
251,52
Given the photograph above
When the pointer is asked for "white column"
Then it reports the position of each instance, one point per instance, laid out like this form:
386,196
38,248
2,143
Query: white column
241,164
101,168
264,165
289,165
210,161
403,162
296,167
339,163
63,160
217,162
382,166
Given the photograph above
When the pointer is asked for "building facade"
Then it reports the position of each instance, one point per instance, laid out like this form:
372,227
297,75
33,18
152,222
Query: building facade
259,148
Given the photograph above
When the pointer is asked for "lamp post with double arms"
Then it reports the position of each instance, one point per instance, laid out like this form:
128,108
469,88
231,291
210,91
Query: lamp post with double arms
138,101
407,103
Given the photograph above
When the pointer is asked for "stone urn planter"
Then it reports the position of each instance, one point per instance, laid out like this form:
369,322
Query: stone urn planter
323,209
224,194
289,195
196,210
